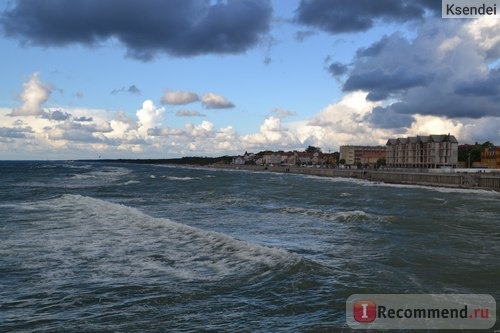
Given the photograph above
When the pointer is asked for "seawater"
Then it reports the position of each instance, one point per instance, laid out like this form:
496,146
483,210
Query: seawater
91,247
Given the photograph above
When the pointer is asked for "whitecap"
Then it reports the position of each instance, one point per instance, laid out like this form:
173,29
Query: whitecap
122,241
182,178
348,216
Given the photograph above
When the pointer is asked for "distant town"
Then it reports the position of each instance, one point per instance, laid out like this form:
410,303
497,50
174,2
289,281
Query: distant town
418,152
432,151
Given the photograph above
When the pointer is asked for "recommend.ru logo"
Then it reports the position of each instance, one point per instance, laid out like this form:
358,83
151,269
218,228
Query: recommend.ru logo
421,311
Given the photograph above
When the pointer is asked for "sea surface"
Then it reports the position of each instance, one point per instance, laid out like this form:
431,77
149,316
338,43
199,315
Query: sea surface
93,247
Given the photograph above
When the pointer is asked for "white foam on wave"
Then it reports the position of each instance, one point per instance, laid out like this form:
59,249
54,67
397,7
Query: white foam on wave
182,178
123,241
92,178
104,173
130,182
348,216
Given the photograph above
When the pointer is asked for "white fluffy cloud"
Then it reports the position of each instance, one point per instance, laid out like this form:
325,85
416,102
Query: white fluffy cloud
149,116
179,97
34,95
213,101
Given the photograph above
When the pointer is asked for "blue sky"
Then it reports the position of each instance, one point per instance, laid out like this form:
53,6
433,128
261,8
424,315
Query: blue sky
114,79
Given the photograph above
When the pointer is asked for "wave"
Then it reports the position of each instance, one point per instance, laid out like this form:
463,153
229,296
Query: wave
182,178
107,173
105,232
130,182
344,216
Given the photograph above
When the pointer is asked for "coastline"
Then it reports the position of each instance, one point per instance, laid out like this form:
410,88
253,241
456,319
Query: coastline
479,181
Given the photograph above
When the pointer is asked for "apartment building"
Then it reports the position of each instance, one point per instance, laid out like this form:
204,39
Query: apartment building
361,154
432,151
490,157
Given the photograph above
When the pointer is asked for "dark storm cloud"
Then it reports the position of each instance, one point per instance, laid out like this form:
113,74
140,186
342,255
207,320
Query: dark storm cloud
388,118
381,84
343,16
179,28
489,86
419,76
337,69
440,103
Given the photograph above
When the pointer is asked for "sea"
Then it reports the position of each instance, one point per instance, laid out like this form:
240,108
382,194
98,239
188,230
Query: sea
110,247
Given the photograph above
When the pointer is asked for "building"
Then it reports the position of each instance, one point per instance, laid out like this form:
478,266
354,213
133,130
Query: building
432,151
359,154
247,158
490,157
272,158
370,159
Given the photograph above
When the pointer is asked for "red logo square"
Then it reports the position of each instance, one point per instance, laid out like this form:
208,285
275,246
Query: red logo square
365,311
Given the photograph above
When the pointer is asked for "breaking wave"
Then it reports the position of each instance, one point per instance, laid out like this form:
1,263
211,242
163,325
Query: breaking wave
100,231
344,216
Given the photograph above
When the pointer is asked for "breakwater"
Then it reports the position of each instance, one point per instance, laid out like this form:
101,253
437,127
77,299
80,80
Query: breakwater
457,180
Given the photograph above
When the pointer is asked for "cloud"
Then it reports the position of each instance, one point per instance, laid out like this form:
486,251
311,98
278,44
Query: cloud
271,135
213,101
443,71
486,33
282,113
149,116
74,132
337,69
302,35
179,97
189,113
57,115
340,16
488,86
381,117
34,95
179,28
131,90
15,133
83,119
383,83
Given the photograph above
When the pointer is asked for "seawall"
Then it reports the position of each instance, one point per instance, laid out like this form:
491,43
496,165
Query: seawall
456,180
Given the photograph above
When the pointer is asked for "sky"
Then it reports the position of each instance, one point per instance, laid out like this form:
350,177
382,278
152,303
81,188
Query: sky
162,78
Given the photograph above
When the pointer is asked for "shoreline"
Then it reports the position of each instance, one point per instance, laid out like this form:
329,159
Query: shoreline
457,180
479,181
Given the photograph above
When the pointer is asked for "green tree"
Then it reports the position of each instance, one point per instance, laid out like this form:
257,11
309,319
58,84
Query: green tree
380,162
337,157
312,150
470,153
488,144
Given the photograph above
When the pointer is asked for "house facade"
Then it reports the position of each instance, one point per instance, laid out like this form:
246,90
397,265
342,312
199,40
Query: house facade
432,151
362,154
490,157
